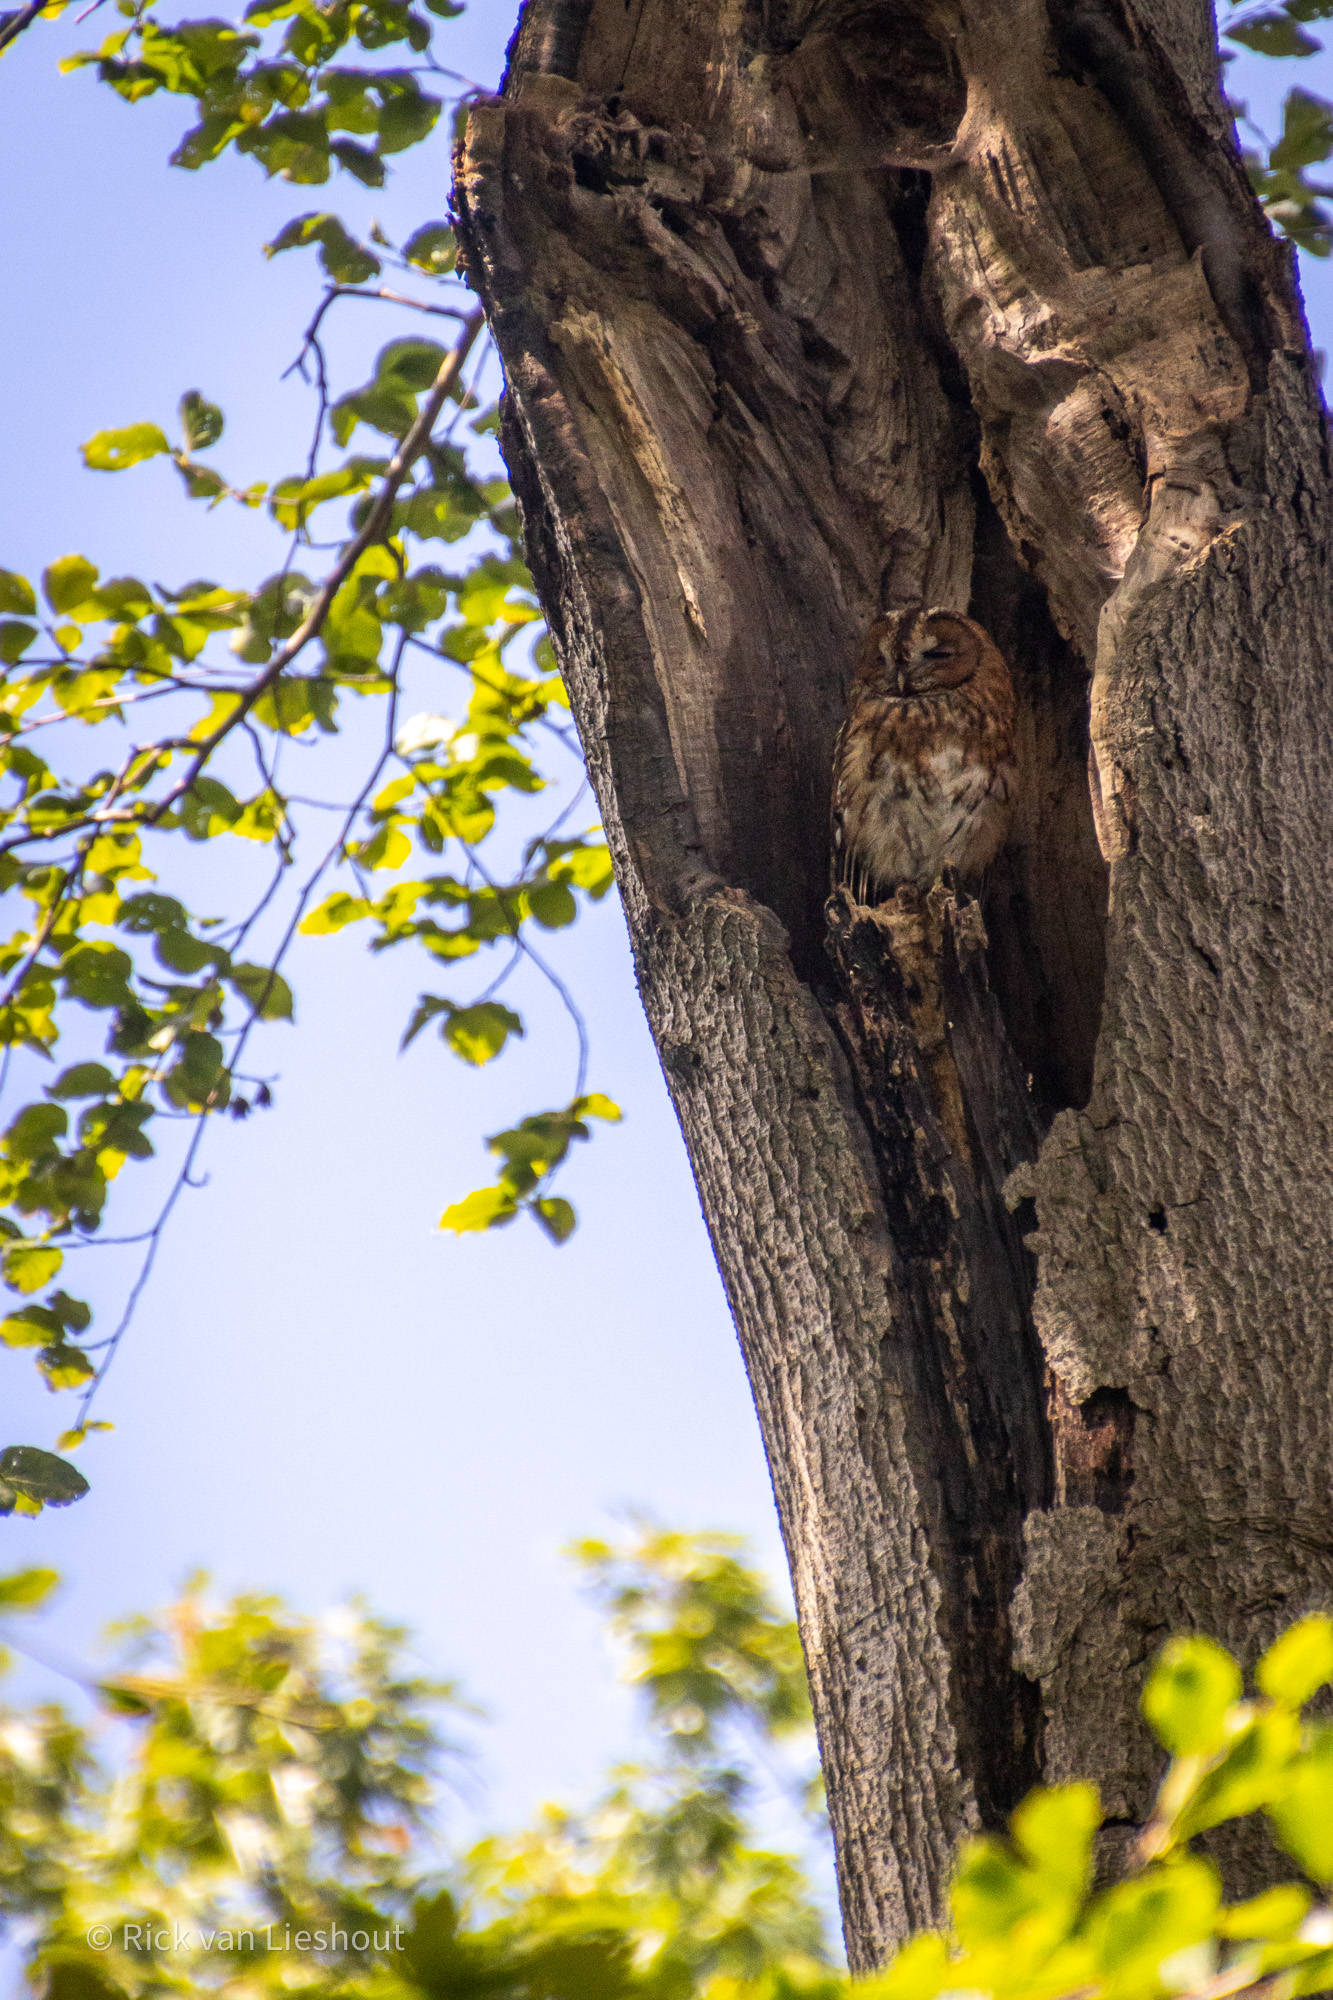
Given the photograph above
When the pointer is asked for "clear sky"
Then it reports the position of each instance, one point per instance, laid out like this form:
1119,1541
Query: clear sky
322,1394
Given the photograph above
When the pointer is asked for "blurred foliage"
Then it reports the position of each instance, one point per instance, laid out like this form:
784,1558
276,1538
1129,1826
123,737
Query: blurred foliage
1279,168
274,1824
706,1645
279,1788
204,687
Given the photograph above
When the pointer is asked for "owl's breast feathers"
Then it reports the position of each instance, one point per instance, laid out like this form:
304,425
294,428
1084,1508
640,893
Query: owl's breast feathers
924,780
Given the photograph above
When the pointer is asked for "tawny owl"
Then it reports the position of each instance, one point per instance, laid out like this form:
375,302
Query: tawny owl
924,768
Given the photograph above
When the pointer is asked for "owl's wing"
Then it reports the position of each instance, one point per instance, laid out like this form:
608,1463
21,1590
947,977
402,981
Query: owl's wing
844,869
837,831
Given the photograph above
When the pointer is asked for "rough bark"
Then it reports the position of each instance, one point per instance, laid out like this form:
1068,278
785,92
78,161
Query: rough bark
808,309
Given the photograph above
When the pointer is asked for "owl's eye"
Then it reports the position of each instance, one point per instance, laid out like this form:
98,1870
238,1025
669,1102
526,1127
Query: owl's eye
940,653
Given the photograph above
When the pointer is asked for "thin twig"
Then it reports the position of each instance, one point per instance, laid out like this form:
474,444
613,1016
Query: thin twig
552,978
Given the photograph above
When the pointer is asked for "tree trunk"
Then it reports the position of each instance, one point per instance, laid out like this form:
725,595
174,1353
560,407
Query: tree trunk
814,308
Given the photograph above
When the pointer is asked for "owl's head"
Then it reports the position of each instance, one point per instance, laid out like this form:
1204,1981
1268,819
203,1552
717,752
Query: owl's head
917,652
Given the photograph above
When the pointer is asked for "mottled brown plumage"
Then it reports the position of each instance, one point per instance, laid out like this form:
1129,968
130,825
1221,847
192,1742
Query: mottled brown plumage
924,769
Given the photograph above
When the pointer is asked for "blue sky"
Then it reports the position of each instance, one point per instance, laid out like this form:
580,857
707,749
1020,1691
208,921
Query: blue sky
322,1394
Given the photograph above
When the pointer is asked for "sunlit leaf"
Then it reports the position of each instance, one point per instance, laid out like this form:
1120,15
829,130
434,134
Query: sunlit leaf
486,1208
1187,1696
1298,1663
69,583
113,451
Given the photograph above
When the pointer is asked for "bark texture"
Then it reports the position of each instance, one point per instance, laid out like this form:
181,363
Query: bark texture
814,308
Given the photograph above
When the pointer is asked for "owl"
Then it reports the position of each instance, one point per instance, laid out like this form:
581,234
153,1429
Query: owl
924,767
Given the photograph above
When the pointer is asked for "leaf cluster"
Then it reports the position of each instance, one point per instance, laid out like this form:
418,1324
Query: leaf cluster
1025,1923
278,85
1295,204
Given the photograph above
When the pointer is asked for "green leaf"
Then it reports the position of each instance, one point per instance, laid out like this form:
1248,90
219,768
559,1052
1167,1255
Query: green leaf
480,1032
15,639
1053,1831
86,1079
267,991
553,905
71,1440
367,167
334,912
30,1326
412,362
433,248
1307,132
557,1218
346,261
208,809
97,974
35,1130
291,703
125,597
919,1971
202,482
1303,1817
597,1105
69,583
72,1313
29,1266
181,951
16,593
41,1475
202,423
149,911
406,120
1133,1927
1299,1663
294,144
25,1589
113,451
485,1208
1252,1774
992,1893
1277,1913
1189,1692
65,1367
1273,34
426,1009
198,1081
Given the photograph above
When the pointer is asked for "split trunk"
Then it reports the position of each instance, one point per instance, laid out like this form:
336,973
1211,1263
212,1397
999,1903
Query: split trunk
810,309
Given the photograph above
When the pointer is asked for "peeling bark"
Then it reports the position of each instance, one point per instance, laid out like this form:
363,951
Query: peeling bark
814,308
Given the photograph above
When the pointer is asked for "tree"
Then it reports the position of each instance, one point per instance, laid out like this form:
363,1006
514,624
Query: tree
807,311
804,314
